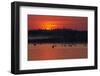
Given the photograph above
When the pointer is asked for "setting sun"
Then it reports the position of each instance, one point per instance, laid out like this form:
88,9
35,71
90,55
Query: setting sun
44,22
48,26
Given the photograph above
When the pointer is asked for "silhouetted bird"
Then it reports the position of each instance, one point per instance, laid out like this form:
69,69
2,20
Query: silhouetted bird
70,45
34,44
64,45
53,46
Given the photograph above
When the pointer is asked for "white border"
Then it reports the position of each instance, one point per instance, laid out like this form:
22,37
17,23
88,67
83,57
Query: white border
26,65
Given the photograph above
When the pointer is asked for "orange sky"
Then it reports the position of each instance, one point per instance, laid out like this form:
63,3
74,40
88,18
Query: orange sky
46,22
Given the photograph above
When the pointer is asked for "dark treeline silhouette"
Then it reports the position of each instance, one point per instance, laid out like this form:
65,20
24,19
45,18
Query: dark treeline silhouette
57,36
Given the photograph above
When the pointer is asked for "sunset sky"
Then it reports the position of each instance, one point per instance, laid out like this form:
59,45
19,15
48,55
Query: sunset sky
46,22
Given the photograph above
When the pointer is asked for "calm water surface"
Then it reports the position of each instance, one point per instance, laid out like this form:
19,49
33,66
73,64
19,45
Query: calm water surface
56,51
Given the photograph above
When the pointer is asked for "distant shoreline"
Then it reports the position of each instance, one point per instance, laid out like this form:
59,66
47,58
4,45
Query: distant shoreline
57,36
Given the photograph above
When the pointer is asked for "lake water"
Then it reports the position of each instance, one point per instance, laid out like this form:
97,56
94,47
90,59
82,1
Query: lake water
56,51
